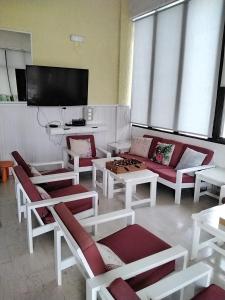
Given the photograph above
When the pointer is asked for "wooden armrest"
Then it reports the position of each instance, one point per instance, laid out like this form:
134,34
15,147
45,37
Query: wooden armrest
140,266
175,282
104,218
54,177
39,164
53,201
107,153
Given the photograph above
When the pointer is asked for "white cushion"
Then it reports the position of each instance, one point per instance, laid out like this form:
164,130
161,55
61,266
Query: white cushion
81,147
190,159
34,171
140,146
111,260
43,193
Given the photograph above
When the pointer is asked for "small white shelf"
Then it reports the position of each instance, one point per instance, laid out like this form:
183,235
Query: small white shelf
65,130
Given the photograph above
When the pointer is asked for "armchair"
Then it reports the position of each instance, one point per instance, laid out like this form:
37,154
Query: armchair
82,164
134,245
78,200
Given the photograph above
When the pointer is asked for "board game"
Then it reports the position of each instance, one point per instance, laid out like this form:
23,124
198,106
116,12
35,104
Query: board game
125,165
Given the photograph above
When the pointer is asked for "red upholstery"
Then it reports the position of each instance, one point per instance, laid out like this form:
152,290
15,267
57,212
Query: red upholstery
133,243
213,292
30,189
51,186
21,162
155,167
120,290
74,206
170,175
83,239
209,153
84,162
83,137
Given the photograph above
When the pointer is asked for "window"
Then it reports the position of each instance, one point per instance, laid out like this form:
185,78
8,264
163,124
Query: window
175,78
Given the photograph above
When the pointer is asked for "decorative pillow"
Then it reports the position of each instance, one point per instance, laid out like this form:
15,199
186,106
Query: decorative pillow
189,159
43,193
163,153
140,146
81,148
111,260
34,171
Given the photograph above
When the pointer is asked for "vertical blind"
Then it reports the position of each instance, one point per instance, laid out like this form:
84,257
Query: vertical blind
176,81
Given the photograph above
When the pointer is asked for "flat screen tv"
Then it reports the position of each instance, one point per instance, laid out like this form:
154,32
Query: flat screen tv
53,86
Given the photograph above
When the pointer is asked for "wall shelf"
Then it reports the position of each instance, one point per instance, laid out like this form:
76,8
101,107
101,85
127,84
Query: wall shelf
66,130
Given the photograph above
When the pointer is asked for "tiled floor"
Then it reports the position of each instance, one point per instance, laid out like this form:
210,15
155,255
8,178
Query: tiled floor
25,276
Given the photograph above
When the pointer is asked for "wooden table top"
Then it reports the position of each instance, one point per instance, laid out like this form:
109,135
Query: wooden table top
6,163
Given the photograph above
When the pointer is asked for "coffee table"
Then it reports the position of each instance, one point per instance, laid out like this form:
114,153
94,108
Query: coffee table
208,221
99,164
130,180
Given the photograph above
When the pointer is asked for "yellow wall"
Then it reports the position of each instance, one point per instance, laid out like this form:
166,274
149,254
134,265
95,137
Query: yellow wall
52,21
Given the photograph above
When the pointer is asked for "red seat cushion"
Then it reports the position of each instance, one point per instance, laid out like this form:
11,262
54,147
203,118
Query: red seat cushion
83,137
133,243
120,290
51,186
84,162
170,175
74,206
213,292
82,238
153,166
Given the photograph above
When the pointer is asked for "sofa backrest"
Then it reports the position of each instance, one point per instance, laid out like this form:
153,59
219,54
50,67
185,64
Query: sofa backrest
209,153
82,238
30,189
83,137
177,153
21,162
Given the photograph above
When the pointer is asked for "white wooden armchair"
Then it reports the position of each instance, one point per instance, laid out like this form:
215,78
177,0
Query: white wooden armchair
79,200
82,164
152,267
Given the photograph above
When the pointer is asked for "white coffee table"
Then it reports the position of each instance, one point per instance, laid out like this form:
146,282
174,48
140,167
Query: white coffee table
214,176
99,164
131,180
120,146
208,221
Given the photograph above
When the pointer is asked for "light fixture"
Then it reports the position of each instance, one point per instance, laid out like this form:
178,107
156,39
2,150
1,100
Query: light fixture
76,38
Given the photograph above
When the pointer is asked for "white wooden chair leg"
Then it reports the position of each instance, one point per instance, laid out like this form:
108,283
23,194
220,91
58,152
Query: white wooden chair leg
104,174
110,186
29,231
18,199
58,254
94,176
128,195
197,189
91,294
177,194
153,190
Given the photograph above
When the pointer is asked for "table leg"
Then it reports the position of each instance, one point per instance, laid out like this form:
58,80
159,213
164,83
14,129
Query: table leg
222,194
197,189
110,186
196,239
153,187
4,175
94,176
128,195
104,183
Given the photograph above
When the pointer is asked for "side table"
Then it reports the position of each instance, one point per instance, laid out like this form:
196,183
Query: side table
214,176
4,167
120,146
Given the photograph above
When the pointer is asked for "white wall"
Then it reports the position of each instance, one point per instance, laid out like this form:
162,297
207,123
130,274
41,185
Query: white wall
139,7
19,129
219,149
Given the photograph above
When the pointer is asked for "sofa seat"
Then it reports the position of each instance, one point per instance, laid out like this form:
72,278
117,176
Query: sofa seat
84,162
74,206
51,186
155,167
170,175
213,292
133,243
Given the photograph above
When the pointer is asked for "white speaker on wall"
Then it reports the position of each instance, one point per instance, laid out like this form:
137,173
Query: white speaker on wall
88,113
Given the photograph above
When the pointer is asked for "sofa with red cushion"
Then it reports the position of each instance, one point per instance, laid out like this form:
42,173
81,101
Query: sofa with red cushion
167,174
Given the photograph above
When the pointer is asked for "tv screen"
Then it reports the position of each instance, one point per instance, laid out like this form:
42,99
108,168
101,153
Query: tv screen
53,86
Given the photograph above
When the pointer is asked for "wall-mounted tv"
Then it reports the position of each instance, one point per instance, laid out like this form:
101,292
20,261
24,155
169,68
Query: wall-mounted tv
53,86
